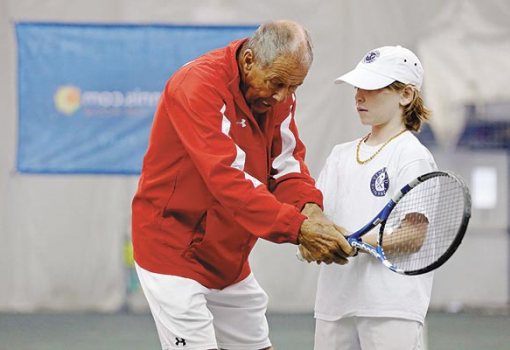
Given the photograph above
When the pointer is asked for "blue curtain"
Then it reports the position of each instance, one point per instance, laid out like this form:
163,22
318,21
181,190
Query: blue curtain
87,93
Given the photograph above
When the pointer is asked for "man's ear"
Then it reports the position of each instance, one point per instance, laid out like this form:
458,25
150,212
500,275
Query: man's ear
248,60
407,95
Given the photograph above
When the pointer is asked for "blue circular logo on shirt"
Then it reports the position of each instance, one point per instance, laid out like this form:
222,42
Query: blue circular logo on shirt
380,183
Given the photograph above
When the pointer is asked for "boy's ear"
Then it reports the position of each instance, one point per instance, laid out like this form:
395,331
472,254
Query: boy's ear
407,95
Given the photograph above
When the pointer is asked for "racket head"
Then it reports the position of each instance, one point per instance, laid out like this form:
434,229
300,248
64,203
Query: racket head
427,223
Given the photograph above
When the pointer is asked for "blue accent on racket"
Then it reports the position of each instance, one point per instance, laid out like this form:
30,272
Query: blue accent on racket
421,226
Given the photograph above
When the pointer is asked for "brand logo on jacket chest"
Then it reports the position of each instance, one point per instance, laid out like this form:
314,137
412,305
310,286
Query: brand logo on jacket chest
242,123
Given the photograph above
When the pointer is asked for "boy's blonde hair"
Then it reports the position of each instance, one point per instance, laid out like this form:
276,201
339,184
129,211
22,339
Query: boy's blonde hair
415,113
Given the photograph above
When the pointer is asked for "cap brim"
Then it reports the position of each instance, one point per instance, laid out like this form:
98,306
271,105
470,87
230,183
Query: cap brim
364,79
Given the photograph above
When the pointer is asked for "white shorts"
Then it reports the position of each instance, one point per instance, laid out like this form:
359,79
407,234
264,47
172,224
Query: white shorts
192,317
369,333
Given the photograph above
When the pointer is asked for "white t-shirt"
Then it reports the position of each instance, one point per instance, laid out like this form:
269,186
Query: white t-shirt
353,195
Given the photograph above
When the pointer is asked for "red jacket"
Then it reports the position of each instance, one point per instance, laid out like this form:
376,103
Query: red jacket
213,181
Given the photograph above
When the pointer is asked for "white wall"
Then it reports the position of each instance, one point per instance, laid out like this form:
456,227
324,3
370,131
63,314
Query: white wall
61,236
478,275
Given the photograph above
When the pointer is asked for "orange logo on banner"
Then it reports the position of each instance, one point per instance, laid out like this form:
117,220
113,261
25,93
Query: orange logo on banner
67,99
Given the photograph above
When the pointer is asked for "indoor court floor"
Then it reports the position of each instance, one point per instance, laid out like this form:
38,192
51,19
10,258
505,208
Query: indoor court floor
459,331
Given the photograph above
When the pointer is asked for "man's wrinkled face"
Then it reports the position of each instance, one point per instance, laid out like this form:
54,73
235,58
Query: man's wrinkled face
265,87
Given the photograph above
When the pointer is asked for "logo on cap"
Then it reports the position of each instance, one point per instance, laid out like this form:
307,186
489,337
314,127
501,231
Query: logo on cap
371,56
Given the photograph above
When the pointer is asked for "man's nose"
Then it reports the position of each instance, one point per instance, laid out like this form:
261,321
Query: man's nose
280,95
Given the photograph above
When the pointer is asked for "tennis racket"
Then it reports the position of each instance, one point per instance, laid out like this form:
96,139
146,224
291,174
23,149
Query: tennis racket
421,226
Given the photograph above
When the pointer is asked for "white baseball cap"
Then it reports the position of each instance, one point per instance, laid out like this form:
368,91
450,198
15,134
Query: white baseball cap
382,66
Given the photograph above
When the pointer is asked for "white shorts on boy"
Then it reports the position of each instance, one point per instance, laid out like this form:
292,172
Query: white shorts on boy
369,333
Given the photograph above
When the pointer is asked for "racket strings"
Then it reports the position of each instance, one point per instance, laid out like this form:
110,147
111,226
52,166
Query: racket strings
424,224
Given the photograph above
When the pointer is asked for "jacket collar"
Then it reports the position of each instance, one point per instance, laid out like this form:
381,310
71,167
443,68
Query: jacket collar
231,58
234,77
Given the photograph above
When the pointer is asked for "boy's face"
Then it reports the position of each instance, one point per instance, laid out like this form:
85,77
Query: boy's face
379,107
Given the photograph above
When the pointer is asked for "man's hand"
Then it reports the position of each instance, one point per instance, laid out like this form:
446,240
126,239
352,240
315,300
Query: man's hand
305,255
322,240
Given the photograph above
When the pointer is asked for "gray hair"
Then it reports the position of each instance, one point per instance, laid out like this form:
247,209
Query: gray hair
281,38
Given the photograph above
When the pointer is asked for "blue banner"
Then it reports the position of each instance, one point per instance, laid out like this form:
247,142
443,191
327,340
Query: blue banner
87,93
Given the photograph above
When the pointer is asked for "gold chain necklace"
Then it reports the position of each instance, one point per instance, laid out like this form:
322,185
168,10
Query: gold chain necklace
361,162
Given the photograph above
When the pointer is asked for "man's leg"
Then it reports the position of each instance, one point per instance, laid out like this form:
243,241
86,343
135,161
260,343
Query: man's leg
240,316
180,311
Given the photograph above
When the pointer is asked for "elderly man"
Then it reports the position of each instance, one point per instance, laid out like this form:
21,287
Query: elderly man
224,167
